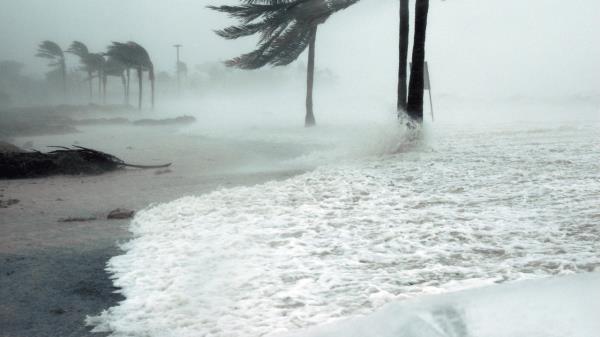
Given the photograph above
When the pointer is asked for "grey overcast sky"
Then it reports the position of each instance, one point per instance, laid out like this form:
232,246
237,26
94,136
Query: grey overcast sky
475,47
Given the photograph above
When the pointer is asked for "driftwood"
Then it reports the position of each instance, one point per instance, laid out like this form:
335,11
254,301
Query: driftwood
70,161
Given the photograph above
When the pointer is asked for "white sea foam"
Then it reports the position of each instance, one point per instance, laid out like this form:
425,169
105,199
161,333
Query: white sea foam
463,209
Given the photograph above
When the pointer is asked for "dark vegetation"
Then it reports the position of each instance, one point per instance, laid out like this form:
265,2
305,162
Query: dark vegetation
65,119
69,161
61,119
118,61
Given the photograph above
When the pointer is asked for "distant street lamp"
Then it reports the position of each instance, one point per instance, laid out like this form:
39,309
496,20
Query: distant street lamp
178,46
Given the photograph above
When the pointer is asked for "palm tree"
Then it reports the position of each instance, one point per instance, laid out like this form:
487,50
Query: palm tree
91,63
116,68
134,56
403,55
414,107
99,62
119,52
81,50
52,51
286,29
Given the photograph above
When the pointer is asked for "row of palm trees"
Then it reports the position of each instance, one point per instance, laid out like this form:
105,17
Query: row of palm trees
287,27
117,61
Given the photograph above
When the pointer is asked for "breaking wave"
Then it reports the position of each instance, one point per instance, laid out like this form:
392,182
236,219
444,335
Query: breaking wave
461,210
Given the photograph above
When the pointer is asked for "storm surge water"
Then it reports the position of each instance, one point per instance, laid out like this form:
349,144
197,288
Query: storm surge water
458,207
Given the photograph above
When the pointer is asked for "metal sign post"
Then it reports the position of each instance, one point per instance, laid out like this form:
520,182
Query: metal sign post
177,46
428,88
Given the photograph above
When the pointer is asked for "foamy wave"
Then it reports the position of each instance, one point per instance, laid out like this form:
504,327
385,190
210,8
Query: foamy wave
346,239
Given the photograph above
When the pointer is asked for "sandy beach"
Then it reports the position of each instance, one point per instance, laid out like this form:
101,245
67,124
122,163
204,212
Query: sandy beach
52,269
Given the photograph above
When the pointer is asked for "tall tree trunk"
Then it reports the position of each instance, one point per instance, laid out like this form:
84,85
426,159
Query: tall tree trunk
151,76
403,55
416,88
63,69
124,82
310,79
104,80
90,77
140,74
127,88
99,86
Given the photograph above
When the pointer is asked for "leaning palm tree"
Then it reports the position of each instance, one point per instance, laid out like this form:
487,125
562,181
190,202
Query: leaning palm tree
82,51
286,29
119,52
99,62
91,63
134,56
52,51
414,106
116,68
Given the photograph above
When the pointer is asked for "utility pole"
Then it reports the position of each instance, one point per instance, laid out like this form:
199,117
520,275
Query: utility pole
177,46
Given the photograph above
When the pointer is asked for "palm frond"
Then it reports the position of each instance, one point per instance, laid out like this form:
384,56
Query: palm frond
284,27
78,48
50,50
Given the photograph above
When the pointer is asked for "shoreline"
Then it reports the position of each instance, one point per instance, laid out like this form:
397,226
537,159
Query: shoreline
52,271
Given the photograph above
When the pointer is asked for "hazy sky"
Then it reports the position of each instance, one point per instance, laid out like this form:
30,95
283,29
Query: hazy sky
475,47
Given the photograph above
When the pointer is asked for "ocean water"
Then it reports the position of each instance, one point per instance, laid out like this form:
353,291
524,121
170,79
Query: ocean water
384,216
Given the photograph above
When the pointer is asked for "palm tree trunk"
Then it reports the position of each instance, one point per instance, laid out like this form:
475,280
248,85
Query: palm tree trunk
416,88
104,80
403,55
128,86
91,88
124,82
99,86
310,79
140,74
63,67
151,76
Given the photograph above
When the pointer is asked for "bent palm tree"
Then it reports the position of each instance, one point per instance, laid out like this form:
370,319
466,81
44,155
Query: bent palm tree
91,63
134,56
52,51
98,61
286,29
81,50
417,78
116,68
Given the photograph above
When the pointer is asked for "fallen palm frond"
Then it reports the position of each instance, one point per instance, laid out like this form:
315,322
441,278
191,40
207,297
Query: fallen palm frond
70,161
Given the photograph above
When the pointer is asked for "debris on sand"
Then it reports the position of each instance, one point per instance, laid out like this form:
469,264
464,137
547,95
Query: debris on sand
161,172
120,213
9,202
78,219
71,161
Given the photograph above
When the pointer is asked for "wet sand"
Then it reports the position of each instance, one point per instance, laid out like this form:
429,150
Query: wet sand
52,272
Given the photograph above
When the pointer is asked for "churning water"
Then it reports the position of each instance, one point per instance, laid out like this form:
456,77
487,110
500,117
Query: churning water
455,208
